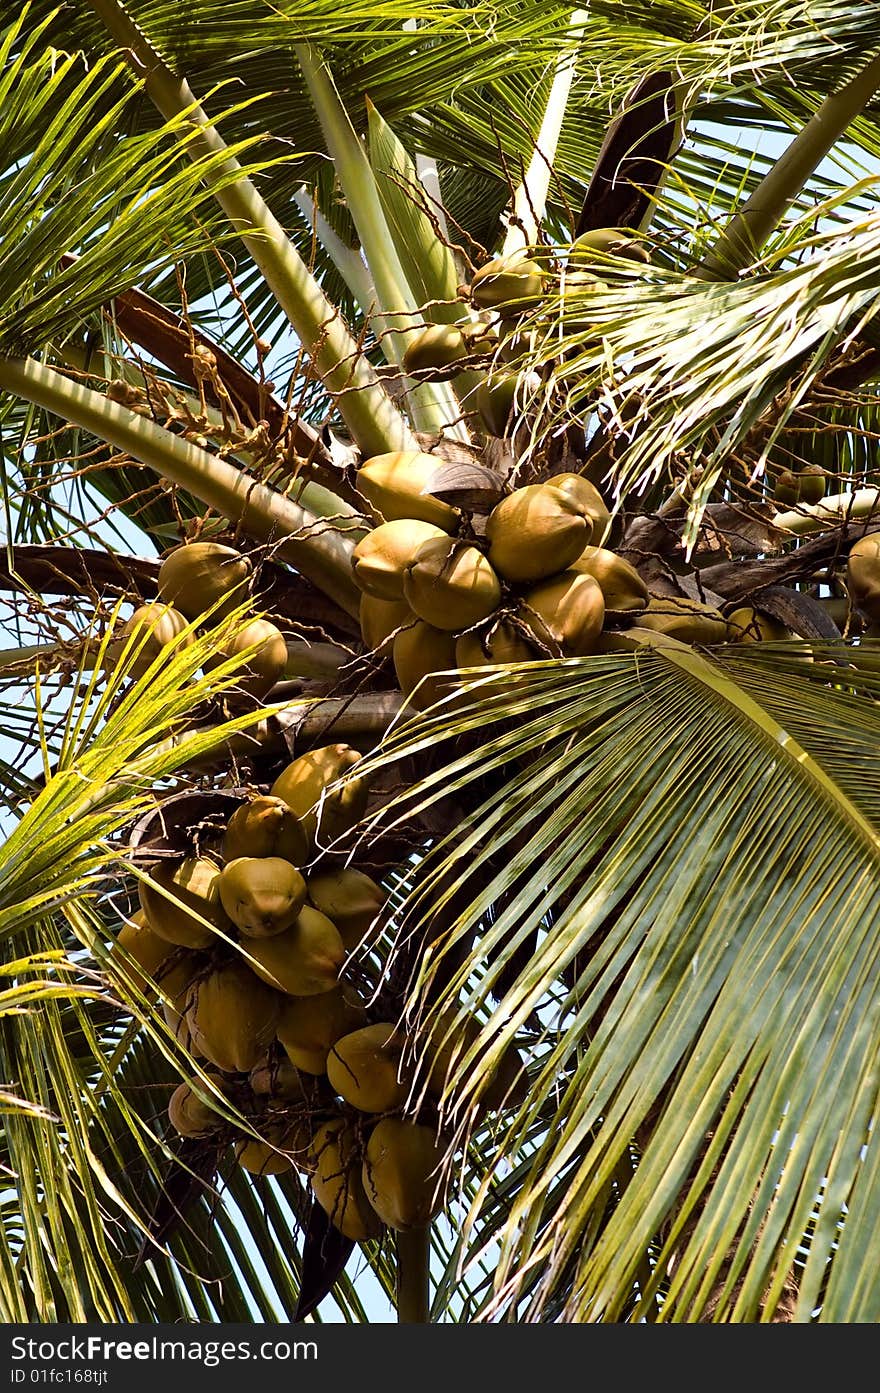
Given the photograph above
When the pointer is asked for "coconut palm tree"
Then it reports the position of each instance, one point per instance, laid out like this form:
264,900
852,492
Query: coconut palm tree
629,865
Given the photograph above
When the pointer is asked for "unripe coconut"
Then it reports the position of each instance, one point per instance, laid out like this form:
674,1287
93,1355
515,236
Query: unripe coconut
303,960
621,584
149,951
589,500
398,485
863,574
190,1115
380,559
687,620
365,1068
278,1080
233,1016
787,488
437,349
748,625
497,395
153,627
403,1173
265,826
337,1182
266,666
262,895
480,337
309,1026
303,786
565,614
445,1045
535,531
193,886
380,618
419,652
286,1144
450,584
176,985
500,643
351,899
811,480
509,284
196,575
611,241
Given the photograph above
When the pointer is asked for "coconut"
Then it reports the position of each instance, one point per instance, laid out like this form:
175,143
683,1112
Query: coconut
480,337
365,1068
175,979
379,619
398,485
450,584
262,895
787,488
445,1044
286,1144
303,960
565,614
509,284
498,394
278,1080
199,574
419,652
437,349
191,1115
687,620
863,574
403,1173
381,557
153,627
499,643
303,785
610,241
589,500
191,895
811,483
137,940
266,666
232,1017
265,826
351,899
535,532
749,625
621,584
337,1182
309,1026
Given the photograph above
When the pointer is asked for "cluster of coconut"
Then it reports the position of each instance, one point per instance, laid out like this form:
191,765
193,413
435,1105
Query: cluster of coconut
201,583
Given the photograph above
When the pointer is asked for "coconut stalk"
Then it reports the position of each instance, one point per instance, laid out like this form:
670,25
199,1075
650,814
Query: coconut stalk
373,419
837,508
263,513
741,241
432,405
413,1276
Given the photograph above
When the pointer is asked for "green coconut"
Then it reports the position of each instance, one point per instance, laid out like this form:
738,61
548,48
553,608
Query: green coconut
609,241
351,900
437,350
812,480
381,557
398,485
621,584
364,1067
302,960
450,584
787,488
265,826
498,643
232,1017
304,785
535,532
337,1182
498,394
309,1026
191,1115
509,284
419,652
153,628
191,896
262,895
136,940
403,1173
197,575
286,1145
267,664
565,614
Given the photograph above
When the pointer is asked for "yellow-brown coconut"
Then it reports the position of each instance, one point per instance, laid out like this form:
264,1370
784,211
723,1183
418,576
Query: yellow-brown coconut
153,627
149,951
381,557
286,1144
419,652
622,586
266,666
863,574
749,625
535,532
233,1016
450,584
365,1068
193,886
398,485
303,786
509,284
565,614
190,1115
262,895
589,500
196,575
176,980
351,899
309,1026
438,349
403,1173
278,1080
303,960
687,620
499,643
337,1182
265,826
379,619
